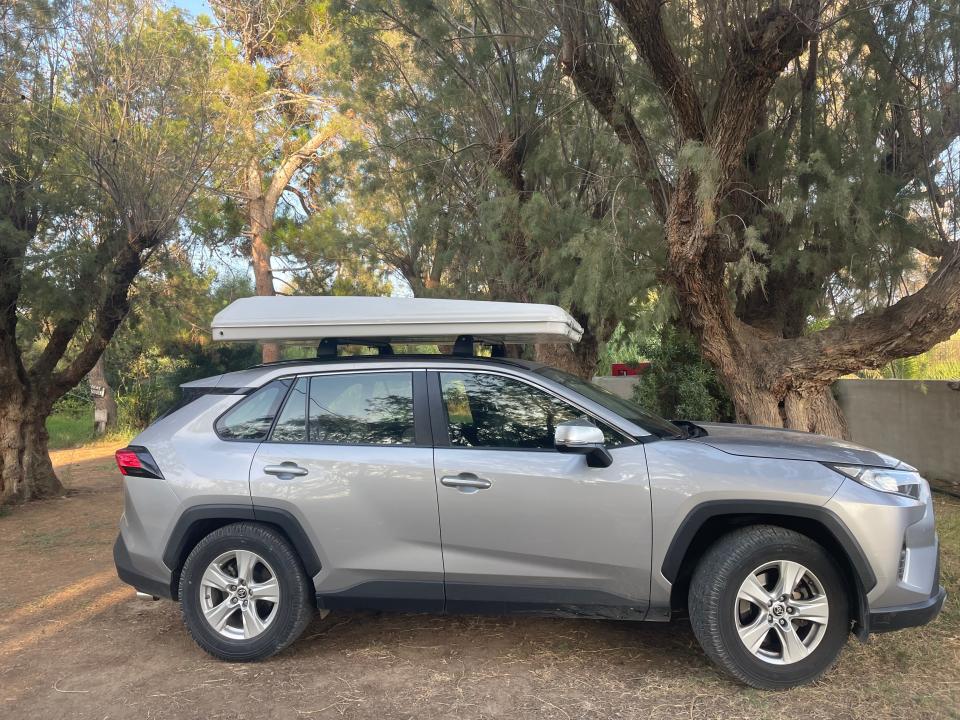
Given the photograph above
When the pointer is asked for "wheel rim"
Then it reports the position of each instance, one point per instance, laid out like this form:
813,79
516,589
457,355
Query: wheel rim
239,595
781,612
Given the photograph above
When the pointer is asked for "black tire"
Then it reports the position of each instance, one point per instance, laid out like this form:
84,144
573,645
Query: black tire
713,605
294,610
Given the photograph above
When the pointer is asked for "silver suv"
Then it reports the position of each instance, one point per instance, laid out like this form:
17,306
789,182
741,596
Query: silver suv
461,484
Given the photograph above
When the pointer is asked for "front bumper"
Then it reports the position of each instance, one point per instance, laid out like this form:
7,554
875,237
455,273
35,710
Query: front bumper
905,616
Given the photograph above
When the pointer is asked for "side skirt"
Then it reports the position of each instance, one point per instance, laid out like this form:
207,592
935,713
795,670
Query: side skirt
470,599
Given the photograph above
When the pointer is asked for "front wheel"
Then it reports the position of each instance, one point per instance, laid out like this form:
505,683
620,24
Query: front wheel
768,606
244,594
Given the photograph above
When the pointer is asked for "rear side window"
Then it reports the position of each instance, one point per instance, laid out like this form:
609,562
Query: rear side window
251,418
349,409
361,409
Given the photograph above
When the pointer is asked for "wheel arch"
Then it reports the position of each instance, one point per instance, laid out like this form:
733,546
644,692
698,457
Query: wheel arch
200,520
707,522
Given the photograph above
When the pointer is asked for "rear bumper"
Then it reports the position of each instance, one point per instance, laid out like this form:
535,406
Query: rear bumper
905,616
131,576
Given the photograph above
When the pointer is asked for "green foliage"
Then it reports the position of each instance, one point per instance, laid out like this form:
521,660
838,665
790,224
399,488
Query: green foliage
105,133
70,429
147,388
166,341
481,176
679,384
919,367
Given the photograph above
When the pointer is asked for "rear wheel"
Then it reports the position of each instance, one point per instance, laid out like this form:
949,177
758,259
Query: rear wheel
768,606
243,593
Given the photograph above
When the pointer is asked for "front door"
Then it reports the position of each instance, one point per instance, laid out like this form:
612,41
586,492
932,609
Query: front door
350,456
527,527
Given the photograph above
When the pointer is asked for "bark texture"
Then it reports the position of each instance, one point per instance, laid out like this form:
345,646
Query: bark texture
26,472
775,374
578,359
105,405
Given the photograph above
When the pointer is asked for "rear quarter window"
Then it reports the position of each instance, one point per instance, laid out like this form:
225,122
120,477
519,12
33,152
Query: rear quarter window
252,417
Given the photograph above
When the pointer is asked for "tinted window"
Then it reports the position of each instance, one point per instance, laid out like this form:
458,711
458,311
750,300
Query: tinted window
624,408
251,418
497,412
292,424
361,409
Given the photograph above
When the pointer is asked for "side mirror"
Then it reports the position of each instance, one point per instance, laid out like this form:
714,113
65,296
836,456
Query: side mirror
582,437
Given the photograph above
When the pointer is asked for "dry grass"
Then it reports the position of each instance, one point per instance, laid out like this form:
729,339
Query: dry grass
74,643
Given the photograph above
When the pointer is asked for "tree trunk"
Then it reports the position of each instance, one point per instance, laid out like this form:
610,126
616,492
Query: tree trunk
26,472
578,359
104,401
770,380
260,219
804,405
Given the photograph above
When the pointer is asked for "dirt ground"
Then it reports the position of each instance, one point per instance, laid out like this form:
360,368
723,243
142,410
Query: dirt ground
75,643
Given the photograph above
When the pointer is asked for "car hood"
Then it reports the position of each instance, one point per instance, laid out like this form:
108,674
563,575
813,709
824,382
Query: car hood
753,441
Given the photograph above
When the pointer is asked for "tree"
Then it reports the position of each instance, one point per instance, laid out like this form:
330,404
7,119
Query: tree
105,134
484,177
104,399
283,87
810,157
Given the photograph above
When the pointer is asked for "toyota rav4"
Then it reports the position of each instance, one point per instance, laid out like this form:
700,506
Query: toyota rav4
464,484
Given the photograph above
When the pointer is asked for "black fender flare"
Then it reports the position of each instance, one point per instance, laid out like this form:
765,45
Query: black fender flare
703,512
185,533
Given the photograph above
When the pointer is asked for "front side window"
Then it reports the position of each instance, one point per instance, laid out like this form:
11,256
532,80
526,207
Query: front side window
251,418
493,411
356,409
624,408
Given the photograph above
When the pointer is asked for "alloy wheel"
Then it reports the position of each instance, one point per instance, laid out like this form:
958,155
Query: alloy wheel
239,595
781,612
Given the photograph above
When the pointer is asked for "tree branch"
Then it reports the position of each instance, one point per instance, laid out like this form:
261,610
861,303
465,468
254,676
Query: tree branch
110,313
296,160
644,24
908,327
758,55
596,83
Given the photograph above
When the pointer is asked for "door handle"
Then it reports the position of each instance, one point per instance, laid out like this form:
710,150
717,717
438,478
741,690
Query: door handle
286,470
465,481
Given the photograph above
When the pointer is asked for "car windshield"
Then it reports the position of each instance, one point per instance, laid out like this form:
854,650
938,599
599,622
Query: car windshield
626,409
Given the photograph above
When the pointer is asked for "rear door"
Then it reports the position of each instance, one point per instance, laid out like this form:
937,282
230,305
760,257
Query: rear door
350,455
524,526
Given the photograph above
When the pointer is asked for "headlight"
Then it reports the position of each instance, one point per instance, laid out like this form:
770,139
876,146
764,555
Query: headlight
899,482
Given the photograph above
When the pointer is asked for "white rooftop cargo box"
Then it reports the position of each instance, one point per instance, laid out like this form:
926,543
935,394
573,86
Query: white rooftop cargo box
392,319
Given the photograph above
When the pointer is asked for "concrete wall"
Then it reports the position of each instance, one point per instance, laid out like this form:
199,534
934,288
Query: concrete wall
917,421
622,385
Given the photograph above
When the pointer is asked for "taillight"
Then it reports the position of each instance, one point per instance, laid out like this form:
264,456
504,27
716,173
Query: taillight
137,461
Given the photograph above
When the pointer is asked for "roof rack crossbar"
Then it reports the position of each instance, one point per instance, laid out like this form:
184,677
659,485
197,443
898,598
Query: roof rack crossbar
329,347
465,346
